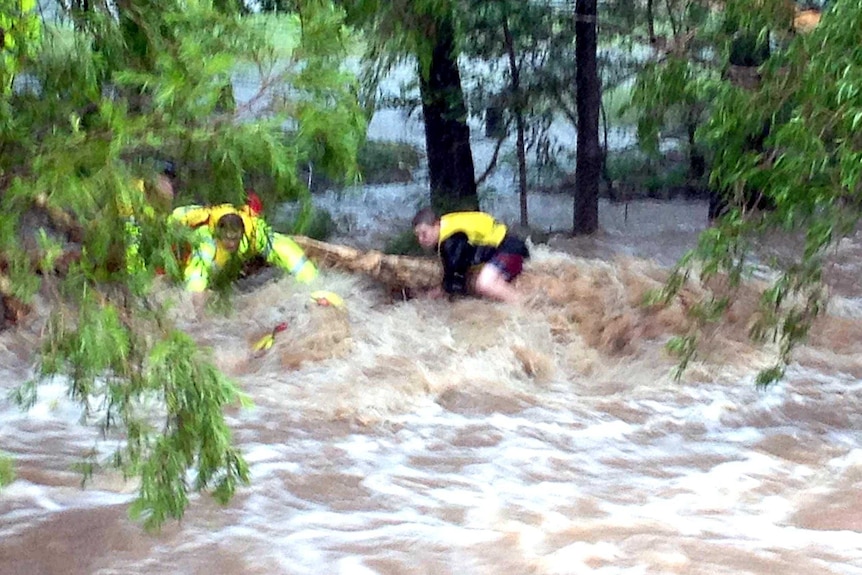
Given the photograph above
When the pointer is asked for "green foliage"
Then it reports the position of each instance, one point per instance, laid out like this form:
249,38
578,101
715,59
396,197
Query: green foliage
387,162
21,28
527,72
643,175
684,348
404,244
103,100
320,226
121,363
194,434
616,101
672,89
677,79
808,168
7,469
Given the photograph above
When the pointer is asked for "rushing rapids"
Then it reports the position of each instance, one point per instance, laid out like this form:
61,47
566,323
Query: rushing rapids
423,436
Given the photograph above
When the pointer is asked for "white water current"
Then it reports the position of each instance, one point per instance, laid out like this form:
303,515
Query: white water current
468,438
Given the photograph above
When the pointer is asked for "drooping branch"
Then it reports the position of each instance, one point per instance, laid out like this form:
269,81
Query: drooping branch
492,164
60,218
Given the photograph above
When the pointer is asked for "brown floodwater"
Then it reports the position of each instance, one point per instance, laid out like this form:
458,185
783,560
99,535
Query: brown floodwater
423,437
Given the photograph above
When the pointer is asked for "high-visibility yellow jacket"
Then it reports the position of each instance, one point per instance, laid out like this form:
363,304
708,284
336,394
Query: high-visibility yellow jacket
258,238
469,239
480,228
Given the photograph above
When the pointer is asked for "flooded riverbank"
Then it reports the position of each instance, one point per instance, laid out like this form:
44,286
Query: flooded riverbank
435,437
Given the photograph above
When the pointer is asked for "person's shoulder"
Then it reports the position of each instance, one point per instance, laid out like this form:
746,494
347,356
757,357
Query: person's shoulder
454,239
180,212
203,233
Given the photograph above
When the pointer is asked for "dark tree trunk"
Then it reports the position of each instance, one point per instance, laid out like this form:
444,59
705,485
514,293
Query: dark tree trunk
650,16
495,122
522,167
447,136
696,160
521,151
589,154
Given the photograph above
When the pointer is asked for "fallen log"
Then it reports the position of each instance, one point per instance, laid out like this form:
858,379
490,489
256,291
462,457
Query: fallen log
411,273
396,272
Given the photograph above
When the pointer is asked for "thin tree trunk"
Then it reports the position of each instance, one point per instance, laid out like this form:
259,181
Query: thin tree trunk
589,155
447,136
650,15
674,28
522,166
612,193
520,146
696,160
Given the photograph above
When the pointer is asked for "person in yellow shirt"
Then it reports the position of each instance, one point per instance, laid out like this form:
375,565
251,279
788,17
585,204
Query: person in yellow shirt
226,236
468,240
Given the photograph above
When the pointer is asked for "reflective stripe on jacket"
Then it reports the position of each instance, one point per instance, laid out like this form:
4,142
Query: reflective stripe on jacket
258,239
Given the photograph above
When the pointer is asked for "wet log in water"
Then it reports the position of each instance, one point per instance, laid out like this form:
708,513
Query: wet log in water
411,273
396,272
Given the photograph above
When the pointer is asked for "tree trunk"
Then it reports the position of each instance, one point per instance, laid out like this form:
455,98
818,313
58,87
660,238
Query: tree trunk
522,166
650,16
696,159
520,146
606,176
447,136
589,155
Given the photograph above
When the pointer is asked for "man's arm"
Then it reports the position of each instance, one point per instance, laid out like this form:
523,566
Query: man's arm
456,254
280,250
200,263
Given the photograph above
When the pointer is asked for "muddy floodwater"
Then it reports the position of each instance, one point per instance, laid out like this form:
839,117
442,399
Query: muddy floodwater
433,437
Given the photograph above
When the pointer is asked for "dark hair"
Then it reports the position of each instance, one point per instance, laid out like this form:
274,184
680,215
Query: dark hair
426,216
168,168
229,223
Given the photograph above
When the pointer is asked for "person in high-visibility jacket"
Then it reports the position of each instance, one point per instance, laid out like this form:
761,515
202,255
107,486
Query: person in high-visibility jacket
466,240
225,233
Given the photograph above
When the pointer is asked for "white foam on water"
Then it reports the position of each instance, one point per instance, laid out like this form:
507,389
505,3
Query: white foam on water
427,447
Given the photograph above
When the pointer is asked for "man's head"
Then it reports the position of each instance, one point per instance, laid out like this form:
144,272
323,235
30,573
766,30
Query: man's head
164,182
229,231
426,226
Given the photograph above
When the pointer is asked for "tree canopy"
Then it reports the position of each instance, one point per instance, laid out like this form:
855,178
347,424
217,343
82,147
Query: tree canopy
806,108
93,103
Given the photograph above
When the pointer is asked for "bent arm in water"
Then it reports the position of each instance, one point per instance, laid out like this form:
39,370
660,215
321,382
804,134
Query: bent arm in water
200,264
280,250
456,256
